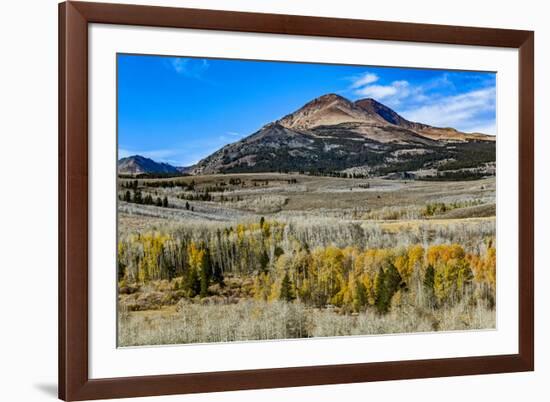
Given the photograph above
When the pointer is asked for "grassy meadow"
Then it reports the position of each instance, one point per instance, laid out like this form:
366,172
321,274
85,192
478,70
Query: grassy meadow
236,257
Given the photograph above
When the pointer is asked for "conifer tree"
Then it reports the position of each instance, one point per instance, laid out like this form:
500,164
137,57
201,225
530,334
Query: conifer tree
205,273
380,291
137,197
217,274
165,202
264,260
387,282
359,296
192,282
287,293
429,278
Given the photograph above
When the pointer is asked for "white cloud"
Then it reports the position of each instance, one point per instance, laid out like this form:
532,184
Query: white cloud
472,111
391,94
377,91
467,111
193,68
396,90
364,79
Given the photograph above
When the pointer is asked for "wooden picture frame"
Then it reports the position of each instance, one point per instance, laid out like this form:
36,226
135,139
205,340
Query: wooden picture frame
74,381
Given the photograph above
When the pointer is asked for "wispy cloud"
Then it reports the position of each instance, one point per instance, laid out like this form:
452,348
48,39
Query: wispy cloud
192,68
363,79
436,101
392,94
366,86
470,111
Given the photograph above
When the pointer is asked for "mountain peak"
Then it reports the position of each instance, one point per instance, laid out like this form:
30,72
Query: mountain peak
328,109
330,97
374,107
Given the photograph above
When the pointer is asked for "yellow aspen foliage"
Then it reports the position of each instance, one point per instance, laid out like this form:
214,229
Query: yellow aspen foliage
402,264
450,279
444,252
484,267
491,266
415,259
262,286
368,282
281,267
266,252
152,247
196,257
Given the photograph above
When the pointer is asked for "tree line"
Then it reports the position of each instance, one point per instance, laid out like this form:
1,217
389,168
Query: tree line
351,278
137,197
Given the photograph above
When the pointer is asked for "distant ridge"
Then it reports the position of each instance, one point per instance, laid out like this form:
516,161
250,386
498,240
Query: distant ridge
137,164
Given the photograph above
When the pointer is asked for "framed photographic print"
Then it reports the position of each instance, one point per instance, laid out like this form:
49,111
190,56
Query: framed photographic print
258,200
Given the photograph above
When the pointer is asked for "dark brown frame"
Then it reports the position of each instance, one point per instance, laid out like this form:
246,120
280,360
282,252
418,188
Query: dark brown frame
74,383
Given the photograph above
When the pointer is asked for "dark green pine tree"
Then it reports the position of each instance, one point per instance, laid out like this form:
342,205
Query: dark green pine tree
165,202
206,271
287,293
387,283
137,197
187,205
127,196
121,271
380,291
393,279
429,280
360,300
264,260
217,274
192,283
158,202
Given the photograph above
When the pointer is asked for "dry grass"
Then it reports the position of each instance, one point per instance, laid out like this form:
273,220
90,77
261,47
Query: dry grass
253,320
263,204
315,196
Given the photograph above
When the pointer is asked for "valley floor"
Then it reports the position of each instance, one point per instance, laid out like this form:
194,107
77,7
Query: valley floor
273,256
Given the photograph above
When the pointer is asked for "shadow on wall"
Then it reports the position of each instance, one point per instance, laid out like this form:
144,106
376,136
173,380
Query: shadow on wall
47,388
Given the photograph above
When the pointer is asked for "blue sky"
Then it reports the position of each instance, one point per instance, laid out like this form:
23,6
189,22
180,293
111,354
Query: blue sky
179,110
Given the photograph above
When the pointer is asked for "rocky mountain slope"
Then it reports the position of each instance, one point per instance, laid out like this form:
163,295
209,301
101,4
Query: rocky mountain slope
332,134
